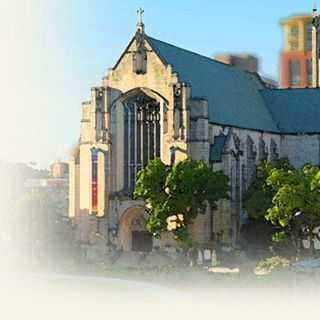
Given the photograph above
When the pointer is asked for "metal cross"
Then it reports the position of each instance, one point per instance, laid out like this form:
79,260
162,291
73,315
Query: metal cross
140,12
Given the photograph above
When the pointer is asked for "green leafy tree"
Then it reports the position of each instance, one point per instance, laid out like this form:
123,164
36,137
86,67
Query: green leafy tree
178,194
296,201
258,198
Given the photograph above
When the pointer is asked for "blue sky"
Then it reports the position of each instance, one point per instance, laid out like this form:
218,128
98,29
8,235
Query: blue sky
53,52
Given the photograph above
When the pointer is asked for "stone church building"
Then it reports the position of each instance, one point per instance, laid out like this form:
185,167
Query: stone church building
159,100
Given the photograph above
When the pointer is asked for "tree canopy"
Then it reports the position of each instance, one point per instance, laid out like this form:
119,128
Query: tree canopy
297,197
178,193
39,229
258,198
286,197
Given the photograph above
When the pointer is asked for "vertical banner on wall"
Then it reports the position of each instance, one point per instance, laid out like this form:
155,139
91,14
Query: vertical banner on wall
94,181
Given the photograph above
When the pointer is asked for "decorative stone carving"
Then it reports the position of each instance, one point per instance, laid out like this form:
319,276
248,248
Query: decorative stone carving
237,145
139,56
178,121
274,155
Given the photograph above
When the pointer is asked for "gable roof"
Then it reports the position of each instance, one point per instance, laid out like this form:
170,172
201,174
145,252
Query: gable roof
239,98
233,95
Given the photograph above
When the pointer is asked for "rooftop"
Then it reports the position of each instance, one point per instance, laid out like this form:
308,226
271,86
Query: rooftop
239,98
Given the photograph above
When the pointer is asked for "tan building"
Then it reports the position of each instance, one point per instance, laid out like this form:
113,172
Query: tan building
59,170
245,62
159,100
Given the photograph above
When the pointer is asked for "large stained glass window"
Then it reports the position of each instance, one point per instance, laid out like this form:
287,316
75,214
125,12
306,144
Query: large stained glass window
141,136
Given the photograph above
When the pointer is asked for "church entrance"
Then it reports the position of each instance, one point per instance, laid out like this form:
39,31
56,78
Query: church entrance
132,233
141,241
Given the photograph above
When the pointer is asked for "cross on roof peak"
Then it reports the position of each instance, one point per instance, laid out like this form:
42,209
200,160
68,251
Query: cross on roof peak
140,13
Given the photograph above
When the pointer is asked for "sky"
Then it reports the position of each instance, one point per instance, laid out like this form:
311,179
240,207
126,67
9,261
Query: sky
53,52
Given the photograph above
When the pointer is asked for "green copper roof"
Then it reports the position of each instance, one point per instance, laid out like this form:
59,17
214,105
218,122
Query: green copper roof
294,110
233,95
238,98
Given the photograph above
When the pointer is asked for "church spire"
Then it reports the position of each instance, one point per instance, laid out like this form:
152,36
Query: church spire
140,24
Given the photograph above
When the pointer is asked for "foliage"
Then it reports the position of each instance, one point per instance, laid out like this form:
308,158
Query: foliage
296,203
279,238
258,198
38,220
281,243
183,190
271,264
288,198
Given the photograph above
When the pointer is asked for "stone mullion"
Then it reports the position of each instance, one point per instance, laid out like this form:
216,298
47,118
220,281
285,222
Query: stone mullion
142,137
155,145
148,134
129,147
138,147
158,137
135,140
151,136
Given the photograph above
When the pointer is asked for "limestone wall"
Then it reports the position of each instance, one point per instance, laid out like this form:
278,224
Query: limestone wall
184,127
159,79
301,149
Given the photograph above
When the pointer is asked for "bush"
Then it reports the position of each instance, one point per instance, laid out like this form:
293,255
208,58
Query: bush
268,265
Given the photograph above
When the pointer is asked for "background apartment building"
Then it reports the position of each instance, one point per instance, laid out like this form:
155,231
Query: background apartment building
296,55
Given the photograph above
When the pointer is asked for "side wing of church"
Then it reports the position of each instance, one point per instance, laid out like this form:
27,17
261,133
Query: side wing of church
163,101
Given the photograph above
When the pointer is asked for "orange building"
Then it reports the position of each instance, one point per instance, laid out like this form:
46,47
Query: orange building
296,55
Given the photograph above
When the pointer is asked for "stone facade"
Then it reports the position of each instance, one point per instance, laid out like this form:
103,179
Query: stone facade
143,103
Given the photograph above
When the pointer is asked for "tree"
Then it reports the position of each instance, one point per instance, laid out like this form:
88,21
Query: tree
257,201
175,195
296,201
258,198
37,223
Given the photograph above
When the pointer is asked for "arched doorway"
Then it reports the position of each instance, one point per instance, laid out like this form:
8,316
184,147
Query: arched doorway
132,233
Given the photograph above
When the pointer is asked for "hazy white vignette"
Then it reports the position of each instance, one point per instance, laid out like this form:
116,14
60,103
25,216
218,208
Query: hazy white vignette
30,66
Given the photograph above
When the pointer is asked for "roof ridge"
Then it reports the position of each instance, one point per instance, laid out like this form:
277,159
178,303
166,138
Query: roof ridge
211,81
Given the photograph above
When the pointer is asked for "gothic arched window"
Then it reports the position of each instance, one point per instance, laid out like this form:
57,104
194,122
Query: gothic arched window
251,159
141,136
274,155
263,154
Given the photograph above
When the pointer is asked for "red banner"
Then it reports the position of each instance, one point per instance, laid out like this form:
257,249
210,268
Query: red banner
94,181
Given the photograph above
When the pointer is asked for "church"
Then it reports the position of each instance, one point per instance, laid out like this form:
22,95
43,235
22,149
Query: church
163,101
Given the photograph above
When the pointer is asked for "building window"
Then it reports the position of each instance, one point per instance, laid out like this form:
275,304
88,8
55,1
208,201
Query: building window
294,45
309,36
141,136
263,154
251,160
294,38
294,32
295,73
309,72
274,155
